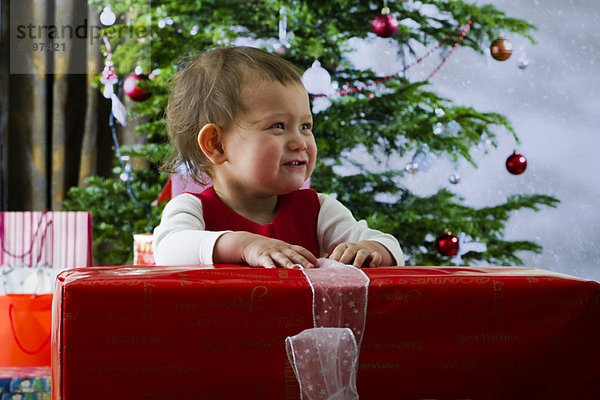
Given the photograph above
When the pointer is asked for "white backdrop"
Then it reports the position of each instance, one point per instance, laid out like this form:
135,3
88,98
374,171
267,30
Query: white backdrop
554,105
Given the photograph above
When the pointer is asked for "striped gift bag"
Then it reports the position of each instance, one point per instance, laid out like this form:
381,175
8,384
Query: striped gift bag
56,239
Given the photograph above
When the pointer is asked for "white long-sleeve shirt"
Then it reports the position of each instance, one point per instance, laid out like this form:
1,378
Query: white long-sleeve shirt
181,237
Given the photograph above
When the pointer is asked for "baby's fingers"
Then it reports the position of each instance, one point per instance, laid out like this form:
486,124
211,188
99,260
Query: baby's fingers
278,259
266,261
376,259
299,255
287,258
361,257
342,253
367,258
357,255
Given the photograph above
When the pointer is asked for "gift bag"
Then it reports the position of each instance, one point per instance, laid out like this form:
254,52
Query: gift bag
59,239
34,248
25,329
26,315
143,253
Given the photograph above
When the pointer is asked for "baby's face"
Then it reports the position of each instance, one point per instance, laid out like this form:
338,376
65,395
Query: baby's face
270,147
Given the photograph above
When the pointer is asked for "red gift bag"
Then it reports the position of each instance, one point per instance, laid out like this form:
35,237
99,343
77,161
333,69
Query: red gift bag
25,330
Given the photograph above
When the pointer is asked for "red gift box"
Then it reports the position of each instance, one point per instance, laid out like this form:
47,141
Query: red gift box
443,333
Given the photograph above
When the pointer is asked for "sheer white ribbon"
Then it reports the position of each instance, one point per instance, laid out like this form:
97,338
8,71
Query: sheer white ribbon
325,358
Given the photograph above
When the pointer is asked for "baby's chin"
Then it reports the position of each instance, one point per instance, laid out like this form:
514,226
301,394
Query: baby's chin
293,189
293,186
300,186
306,184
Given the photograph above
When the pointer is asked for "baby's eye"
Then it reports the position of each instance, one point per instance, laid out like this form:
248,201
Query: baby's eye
278,125
306,127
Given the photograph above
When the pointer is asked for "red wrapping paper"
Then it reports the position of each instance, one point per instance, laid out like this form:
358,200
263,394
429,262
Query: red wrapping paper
443,333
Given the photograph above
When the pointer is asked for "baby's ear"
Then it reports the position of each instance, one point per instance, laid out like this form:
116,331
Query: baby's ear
210,141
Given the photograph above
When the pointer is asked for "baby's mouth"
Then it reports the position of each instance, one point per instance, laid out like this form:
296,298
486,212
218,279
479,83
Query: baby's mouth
295,163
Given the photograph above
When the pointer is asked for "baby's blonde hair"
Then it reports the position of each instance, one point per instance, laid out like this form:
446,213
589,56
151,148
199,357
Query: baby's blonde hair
208,90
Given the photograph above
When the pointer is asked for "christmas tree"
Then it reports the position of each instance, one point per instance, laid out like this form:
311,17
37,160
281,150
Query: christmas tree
387,117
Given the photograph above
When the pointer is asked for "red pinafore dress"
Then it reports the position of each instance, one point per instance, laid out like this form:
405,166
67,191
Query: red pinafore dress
294,223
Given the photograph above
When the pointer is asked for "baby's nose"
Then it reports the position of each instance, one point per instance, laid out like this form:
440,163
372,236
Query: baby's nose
297,144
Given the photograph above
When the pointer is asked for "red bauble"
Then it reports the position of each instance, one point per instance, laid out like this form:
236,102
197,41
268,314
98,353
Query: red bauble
448,244
501,49
516,163
134,90
385,25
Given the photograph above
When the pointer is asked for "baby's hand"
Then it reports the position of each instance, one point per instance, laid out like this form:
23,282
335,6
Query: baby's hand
359,254
260,251
271,253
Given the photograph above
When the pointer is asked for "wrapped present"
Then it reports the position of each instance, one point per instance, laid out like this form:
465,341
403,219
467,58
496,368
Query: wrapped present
234,332
25,383
143,254
26,396
30,385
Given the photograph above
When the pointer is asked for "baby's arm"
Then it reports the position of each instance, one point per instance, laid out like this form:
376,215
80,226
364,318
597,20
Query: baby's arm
260,251
181,237
350,241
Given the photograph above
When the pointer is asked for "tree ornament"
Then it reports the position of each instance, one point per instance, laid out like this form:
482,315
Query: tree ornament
485,144
134,89
316,79
523,61
412,167
501,49
282,46
109,78
385,25
454,179
516,163
421,161
439,128
107,17
448,244
127,170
